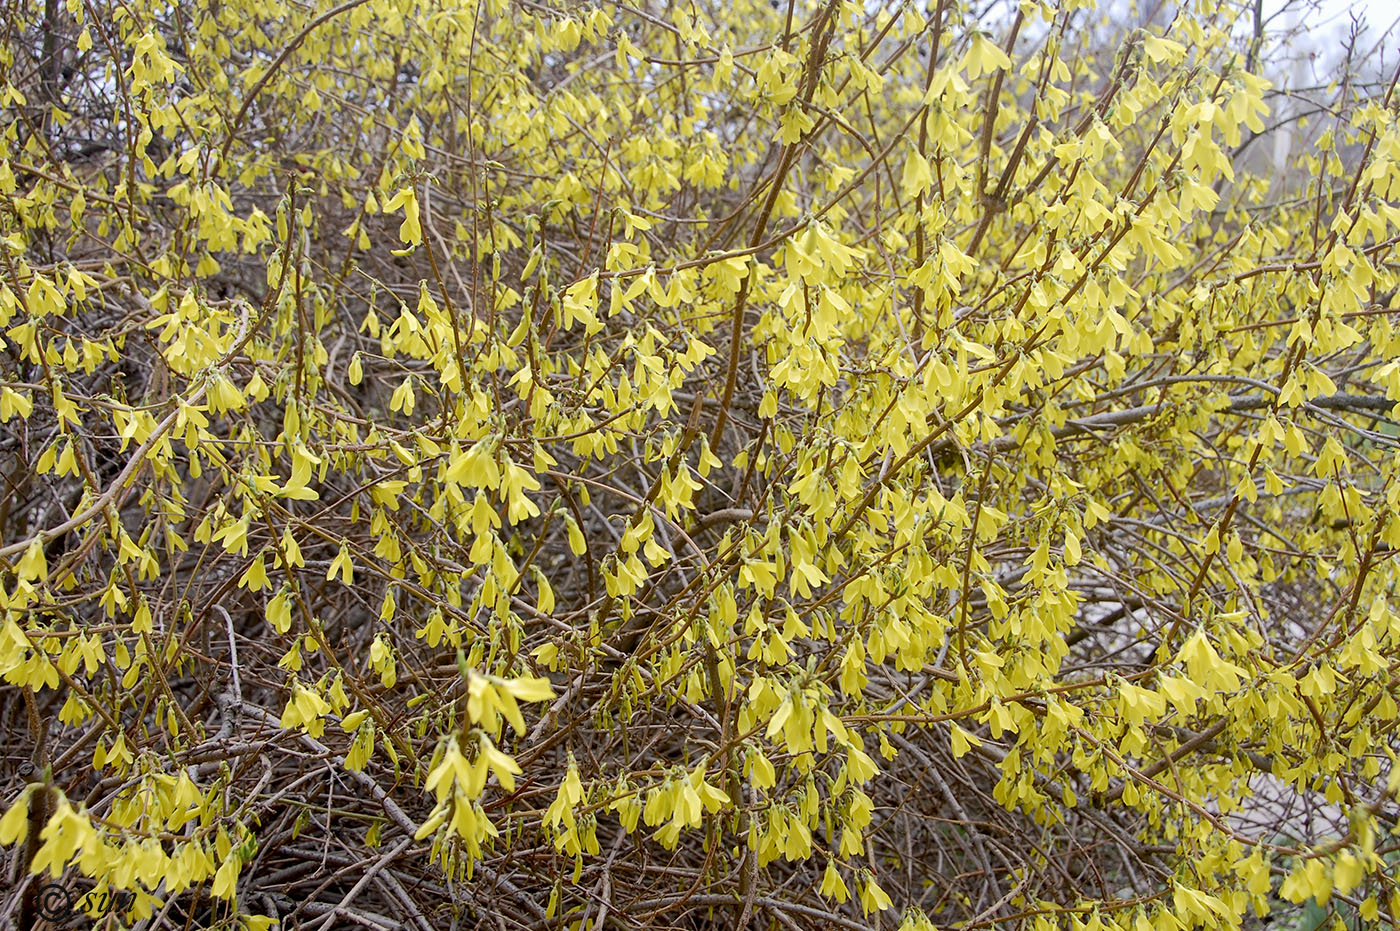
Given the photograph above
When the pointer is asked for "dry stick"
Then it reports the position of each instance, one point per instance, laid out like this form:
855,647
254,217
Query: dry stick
1005,368
919,198
991,204
789,152
967,562
233,654
273,68
1222,526
365,880
138,458
833,918
392,809
1197,741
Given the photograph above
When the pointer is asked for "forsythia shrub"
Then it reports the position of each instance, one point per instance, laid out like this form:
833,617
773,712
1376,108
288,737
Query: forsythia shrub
521,463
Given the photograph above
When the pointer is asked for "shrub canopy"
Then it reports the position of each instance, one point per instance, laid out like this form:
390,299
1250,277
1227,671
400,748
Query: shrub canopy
808,464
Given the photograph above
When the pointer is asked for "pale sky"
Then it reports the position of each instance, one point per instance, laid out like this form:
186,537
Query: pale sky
1335,15
1380,13
1327,23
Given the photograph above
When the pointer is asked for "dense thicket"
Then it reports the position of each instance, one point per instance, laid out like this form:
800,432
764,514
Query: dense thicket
811,464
